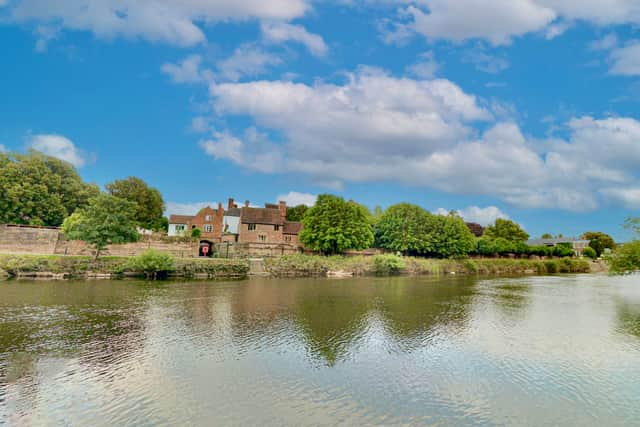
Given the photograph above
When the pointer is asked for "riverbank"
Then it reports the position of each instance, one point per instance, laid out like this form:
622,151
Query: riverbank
384,265
66,267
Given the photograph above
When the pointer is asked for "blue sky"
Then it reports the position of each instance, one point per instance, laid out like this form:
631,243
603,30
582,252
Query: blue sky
519,108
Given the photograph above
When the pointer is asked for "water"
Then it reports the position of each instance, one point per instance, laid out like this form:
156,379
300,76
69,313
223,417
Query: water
401,351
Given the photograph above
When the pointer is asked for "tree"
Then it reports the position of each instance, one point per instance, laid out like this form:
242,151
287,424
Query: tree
626,259
296,213
404,228
40,190
334,225
150,206
589,252
506,229
633,224
599,241
546,236
106,220
450,236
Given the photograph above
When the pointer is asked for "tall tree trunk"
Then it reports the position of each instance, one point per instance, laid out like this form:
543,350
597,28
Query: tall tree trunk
95,258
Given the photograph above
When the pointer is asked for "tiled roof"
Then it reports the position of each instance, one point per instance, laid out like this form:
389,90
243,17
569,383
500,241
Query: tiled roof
180,219
476,229
292,227
232,212
261,216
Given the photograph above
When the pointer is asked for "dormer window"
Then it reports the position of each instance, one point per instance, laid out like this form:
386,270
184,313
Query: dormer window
207,218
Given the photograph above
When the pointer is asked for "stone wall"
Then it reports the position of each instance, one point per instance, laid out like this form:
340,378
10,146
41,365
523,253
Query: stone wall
28,240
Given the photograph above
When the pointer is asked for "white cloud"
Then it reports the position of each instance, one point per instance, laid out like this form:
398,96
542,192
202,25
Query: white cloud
59,147
246,61
628,197
171,21
294,198
376,127
282,32
626,60
200,124
426,68
483,216
606,43
3,149
188,70
499,21
484,62
174,208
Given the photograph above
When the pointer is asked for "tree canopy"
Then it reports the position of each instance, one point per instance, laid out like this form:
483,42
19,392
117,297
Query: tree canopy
599,241
106,220
334,225
150,206
296,213
404,228
37,189
506,229
450,236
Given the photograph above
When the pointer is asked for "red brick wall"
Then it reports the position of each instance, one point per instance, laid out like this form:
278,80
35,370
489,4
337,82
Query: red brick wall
253,236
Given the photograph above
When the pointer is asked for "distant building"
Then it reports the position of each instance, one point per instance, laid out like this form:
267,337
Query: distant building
476,229
578,245
208,220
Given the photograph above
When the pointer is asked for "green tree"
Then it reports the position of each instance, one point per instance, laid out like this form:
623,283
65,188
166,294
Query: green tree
296,213
626,258
546,236
633,224
153,264
506,229
599,241
40,190
589,252
106,220
404,228
334,225
450,236
150,205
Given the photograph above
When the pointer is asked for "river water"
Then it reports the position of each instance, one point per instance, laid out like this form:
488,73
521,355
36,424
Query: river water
372,351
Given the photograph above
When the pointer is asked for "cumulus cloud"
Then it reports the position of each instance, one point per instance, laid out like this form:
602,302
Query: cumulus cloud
625,60
59,147
174,208
484,62
499,21
189,70
281,32
293,198
170,21
483,216
375,127
246,61
426,68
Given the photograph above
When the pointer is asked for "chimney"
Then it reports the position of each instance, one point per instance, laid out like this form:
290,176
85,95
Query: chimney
231,204
283,210
220,210
246,204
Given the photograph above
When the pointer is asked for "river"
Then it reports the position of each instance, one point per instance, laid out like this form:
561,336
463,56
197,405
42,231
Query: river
561,350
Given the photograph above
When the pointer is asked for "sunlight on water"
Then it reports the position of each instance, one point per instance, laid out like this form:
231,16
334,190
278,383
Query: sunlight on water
399,351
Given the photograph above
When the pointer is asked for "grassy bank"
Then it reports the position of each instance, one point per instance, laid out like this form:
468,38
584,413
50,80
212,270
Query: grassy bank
308,265
84,266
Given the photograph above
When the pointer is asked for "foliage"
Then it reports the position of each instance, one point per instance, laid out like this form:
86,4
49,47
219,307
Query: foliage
599,241
296,213
149,203
212,268
404,228
387,264
152,263
449,236
40,190
334,225
195,233
546,236
589,252
626,259
106,220
633,224
506,229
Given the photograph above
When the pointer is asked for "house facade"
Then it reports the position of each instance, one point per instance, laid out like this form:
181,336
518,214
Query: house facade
208,220
578,245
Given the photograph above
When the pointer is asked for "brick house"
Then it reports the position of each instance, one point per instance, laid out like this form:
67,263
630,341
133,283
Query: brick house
267,225
208,220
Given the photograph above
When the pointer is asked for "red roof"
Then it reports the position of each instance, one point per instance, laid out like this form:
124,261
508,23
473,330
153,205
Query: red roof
261,216
180,219
292,227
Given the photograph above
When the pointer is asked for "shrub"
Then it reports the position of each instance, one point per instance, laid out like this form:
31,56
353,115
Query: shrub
196,233
589,252
152,263
387,264
626,259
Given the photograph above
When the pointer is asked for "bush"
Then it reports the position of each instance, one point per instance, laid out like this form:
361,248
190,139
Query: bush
589,252
626,259
152,263
387,264
196,233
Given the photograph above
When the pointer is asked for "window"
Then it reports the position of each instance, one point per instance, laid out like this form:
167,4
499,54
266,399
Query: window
251,227
208,228
287,238
207,218
262,238
276,227
180,227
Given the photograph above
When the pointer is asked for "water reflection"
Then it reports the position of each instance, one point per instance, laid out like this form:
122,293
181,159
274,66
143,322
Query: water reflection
367,351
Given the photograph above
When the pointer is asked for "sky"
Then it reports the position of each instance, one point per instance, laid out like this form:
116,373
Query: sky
523,109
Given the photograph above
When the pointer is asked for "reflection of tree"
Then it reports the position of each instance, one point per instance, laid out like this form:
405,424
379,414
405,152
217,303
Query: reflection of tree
416,310
332,317
629,318
511,298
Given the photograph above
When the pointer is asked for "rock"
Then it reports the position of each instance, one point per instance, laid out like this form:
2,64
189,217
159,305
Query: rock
339,273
